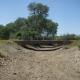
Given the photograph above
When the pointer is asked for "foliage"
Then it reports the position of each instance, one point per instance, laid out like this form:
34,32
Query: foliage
31,28
69,37
79,47
38,9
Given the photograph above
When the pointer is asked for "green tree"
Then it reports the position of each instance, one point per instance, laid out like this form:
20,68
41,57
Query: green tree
51,28
69,37
20,22
39,21
1,31
36,25
38,9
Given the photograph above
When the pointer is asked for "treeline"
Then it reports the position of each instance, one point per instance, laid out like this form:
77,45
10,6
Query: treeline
68,37
36,26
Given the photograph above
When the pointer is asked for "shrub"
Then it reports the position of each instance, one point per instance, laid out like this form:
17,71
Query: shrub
79,46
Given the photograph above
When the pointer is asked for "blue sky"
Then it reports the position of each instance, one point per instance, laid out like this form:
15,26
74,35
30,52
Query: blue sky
65,12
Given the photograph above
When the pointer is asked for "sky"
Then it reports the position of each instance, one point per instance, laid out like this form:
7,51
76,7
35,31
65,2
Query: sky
65,12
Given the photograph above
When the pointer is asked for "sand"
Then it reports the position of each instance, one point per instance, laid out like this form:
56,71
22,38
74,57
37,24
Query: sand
23,64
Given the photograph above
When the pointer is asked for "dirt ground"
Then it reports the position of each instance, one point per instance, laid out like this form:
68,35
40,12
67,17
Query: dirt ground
18,63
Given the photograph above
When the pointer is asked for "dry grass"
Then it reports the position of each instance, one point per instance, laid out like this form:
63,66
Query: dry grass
3,54
24,64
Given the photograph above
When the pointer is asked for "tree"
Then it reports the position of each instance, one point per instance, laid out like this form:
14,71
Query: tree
39,21
38,9
1,31
36,25
51,28
69,37
20,22
14,28
38,16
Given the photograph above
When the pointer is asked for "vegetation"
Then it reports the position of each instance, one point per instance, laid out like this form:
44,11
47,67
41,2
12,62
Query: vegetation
3,54
36,26
68,37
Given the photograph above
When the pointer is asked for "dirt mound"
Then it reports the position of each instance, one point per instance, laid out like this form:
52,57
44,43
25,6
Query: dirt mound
24,64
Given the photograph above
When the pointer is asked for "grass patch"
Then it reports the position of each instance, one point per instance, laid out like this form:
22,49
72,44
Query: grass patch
74,43
79,46
3,54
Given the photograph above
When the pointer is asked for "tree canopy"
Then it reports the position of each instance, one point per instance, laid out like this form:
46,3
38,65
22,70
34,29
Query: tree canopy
34,27
38,9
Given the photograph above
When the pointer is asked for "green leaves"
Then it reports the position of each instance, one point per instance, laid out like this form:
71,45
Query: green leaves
31,28
38,9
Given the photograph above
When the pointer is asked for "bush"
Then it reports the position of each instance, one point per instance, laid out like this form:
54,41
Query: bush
79,47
